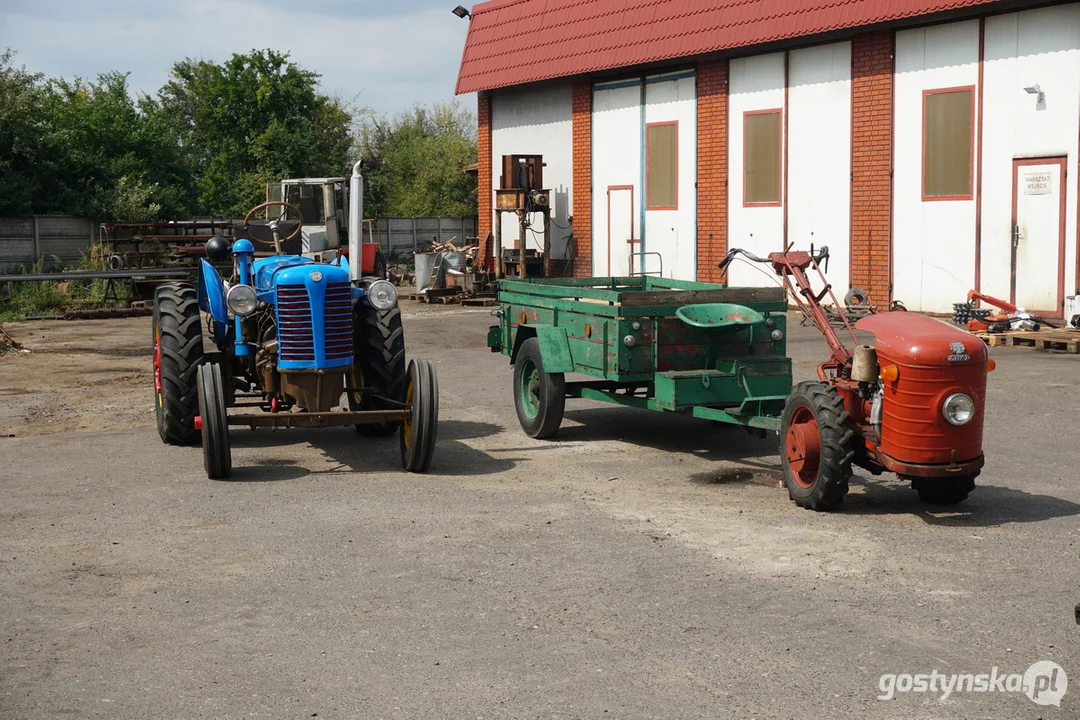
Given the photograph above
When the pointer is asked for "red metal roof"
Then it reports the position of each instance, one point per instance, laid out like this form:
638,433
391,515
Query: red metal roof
512,42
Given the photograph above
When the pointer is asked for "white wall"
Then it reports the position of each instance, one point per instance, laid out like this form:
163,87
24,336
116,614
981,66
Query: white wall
536,120
1020,49
819,155
933,241
755,83
616,160
673,233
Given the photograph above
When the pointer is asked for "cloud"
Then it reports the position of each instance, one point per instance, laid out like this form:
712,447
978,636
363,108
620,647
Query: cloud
388,55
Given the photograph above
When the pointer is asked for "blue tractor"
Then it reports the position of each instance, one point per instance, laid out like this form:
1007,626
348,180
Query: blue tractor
292,340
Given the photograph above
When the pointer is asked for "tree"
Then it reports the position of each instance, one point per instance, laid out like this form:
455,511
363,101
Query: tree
211,139
82,148
91,143
251,120
21,117
414,163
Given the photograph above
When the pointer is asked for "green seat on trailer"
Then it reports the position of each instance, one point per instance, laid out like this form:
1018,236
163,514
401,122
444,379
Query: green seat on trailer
718,315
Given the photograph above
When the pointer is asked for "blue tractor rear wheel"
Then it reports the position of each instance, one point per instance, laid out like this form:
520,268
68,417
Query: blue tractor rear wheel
379,364
178,351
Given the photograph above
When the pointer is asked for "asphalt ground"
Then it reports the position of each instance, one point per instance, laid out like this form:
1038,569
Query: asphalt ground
638,566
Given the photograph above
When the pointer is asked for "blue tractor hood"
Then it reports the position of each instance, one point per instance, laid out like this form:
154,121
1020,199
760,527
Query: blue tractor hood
292,270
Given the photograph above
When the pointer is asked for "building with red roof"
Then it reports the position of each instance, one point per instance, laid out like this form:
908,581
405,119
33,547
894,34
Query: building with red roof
928,143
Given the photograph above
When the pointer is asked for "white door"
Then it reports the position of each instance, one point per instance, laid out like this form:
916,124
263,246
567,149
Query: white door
669,238
616,163
1038,234
621,240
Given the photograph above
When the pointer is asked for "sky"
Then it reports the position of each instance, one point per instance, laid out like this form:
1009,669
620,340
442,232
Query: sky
385,54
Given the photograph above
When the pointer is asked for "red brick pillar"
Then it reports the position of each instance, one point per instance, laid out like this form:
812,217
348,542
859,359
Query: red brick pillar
582,173
712,167
871,163
483,173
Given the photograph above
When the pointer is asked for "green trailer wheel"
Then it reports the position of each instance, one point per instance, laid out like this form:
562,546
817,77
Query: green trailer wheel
539,397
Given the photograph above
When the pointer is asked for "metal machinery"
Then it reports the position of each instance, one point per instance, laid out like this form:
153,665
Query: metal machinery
323,202
911,405
521,194
290,336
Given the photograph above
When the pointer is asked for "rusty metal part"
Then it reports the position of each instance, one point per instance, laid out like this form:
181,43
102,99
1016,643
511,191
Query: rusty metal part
319,419
1002,304
268,375
179,272
313,390
963,313
283,238
968,467
7,342
106,313
850,314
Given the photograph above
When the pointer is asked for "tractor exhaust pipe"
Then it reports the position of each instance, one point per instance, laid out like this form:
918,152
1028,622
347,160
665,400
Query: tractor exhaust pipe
356,222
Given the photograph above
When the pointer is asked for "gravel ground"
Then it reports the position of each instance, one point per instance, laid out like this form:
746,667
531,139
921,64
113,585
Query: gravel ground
637,566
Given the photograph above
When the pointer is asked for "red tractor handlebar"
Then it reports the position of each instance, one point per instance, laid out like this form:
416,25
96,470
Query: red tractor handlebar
791,266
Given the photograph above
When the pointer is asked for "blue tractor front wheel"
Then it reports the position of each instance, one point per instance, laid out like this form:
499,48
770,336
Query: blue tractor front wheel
213,421
417,434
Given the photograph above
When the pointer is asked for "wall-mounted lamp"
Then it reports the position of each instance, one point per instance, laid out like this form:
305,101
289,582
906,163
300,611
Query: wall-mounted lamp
462,12
1036,90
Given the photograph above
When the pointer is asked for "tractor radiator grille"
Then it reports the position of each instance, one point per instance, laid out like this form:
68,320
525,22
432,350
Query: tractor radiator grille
296,341
338,321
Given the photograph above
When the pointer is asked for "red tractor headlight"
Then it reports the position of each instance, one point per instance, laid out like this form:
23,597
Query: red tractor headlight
958,409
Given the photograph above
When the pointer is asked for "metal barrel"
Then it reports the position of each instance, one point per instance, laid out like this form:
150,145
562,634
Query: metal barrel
424,263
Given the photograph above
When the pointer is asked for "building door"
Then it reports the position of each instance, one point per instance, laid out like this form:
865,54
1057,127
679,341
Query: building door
1038,235
668,225
620,225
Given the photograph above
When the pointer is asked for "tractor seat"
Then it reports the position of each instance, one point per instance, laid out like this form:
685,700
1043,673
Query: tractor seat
718,315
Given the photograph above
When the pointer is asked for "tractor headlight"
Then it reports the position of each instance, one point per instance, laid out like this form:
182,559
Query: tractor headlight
381,295
958,409
242,300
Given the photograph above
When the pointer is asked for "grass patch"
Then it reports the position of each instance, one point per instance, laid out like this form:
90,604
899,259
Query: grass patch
21,300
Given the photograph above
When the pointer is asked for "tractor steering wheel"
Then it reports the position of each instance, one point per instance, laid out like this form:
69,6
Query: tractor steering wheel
273,224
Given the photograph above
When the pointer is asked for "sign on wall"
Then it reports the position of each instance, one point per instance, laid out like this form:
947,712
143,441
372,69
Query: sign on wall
1037,183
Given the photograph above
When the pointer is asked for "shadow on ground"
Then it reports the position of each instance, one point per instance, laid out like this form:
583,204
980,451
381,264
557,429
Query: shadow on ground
987,506
347,451
669,432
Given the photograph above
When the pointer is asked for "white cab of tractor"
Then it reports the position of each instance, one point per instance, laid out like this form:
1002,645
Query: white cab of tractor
332,209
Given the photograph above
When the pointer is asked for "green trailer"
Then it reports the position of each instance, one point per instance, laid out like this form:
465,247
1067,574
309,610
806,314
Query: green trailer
704,350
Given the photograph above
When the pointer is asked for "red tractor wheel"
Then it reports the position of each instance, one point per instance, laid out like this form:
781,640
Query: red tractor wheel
816,449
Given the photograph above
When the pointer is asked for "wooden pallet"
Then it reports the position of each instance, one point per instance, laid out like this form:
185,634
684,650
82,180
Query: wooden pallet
479,301
1046,340
439,296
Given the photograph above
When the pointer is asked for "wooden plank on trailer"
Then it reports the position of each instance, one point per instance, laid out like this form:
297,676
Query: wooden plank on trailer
741,296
